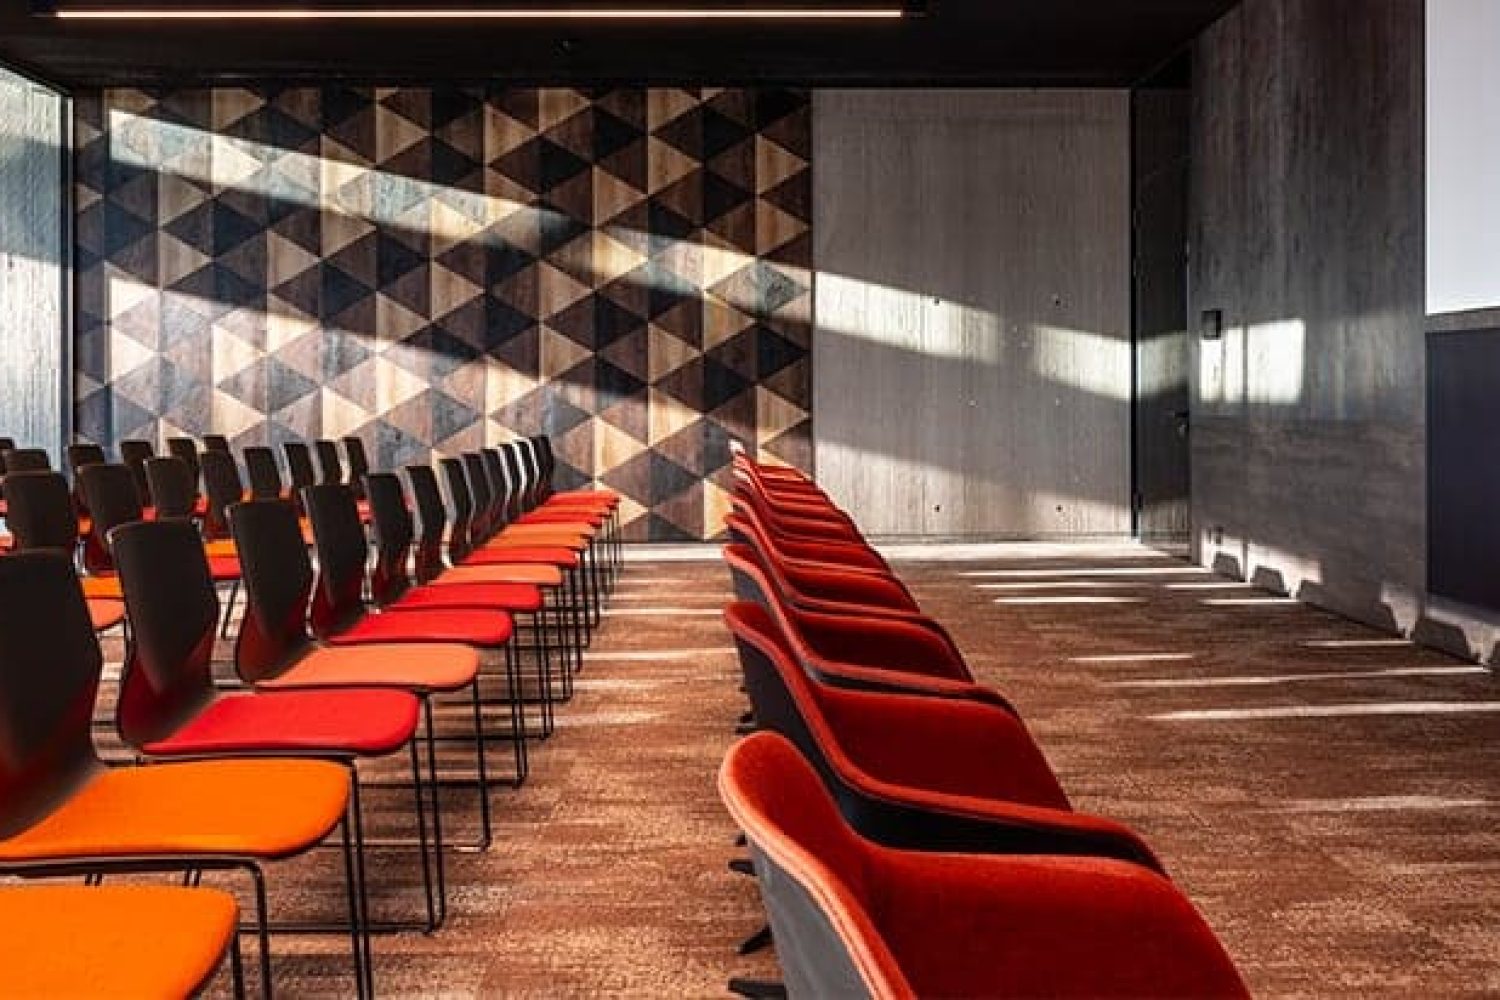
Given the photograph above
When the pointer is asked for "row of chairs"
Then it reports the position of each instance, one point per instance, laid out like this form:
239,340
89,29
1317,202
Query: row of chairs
908,835
269,770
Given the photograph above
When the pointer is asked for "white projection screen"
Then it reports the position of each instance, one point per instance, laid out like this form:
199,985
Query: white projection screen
1463,155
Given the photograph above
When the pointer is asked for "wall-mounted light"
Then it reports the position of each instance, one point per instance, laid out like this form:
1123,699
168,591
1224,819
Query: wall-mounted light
769,10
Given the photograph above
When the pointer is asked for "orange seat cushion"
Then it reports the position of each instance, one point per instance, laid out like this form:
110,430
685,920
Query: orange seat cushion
144,941
103,587
223,548
574,535
105,613
541,574
420,666
363,721
502,596
257,808
466,625
548,556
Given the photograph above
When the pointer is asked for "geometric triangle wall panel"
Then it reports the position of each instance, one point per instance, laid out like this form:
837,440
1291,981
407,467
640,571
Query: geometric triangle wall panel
433,270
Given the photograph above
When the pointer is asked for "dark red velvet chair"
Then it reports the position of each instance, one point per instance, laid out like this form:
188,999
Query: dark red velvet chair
855,919
921,773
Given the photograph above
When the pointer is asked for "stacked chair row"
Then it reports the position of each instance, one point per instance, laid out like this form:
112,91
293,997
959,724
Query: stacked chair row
337,660
909,836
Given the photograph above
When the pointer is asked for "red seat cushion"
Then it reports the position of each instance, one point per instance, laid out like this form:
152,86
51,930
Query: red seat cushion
555,516
468,626
224,568
354,721
522,554
504,596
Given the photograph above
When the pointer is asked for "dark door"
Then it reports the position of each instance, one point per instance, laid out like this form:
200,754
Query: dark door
1162,422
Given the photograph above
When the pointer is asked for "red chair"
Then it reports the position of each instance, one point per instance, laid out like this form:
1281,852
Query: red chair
42,518
169,706
917,772
340,617
274,651
852,918
392,588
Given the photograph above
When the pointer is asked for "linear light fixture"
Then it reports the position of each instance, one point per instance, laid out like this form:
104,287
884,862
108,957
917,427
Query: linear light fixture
514,12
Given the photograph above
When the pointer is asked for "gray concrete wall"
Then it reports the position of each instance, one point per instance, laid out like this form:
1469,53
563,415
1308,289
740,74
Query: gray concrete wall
972,353
33,273
1307,231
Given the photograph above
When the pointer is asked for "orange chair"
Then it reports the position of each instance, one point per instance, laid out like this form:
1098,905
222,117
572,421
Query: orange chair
64,812
136,941
41,517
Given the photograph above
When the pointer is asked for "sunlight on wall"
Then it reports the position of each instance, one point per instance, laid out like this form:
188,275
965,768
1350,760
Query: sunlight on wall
1263,363
1097,363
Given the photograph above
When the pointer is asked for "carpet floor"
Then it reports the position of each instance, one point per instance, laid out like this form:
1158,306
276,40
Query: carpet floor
1328,795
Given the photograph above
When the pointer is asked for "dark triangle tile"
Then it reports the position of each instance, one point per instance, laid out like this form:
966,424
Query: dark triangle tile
450,416
574,197
793,131
412,103
304,228
468,259
503,323
394,258
632,478
557,230
684,512
684,200
686,448
232,226
684,133
612,385
631,415
340,290
721,197
737,104
684,320
736,228
521,353
668,479
468,323
613,321
412,291
774,352
736,165
577,322
521,103
685,385
557,164
395,448
455,168
123,228
304,291
523,165
793,196
720,133
574,134
738,354
794,446
611,135
438,352
248,262
625,104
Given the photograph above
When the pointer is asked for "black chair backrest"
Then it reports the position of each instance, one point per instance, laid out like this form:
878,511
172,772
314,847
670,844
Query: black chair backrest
113,501
521,501
460,542
299,466
222,484
215,442
528,481
391,522
278,579
173,486
359,462
485,514
263,472
80,455
330,468
173,611
134,454
26,460
432,521
40,513
546,464
49,678
494,469
186,449
7,444
338,598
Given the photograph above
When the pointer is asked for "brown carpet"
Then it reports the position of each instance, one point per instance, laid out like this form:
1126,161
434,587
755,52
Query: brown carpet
1329,797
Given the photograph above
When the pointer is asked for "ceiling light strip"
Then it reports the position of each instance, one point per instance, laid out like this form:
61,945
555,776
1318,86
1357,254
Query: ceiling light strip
480,13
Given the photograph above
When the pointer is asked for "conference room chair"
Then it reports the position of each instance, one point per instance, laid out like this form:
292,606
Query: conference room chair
169,706
392,588
222,488
560,589
852,918
41,518
916,772
358,461
26,460
330,466
264,474
274,650
64,812
133,454
113,502
299,468
78,456
186,449
339,615
116,941
215,442
518,511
